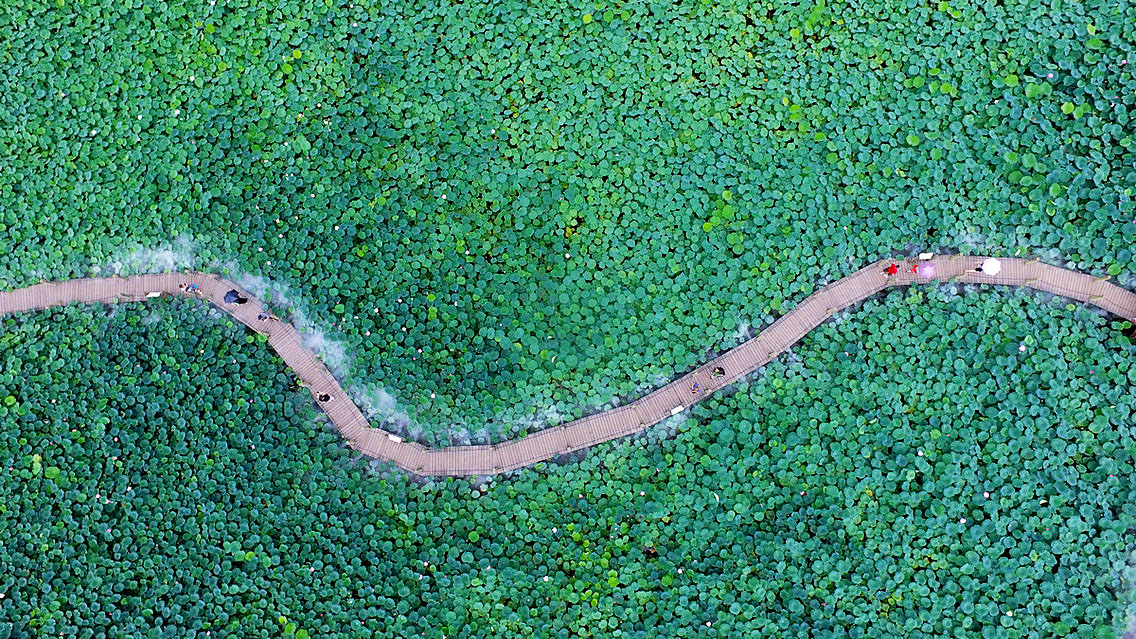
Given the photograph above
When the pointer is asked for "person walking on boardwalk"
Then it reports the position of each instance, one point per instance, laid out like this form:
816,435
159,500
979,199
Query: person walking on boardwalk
892,269
719,371
990,266
324,397
926,269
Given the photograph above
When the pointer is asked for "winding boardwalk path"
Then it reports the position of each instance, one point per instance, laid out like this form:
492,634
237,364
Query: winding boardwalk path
668,400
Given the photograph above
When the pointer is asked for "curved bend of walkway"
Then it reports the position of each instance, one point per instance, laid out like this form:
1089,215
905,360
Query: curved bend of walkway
624,420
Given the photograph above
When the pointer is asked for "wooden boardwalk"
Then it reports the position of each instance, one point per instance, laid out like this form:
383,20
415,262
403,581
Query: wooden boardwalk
668,400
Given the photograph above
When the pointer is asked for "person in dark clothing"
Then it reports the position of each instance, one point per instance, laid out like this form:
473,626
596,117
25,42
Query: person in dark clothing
234,297
719,371
324,397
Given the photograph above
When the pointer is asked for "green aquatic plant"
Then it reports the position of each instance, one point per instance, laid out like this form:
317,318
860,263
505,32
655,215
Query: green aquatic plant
507,206
961,466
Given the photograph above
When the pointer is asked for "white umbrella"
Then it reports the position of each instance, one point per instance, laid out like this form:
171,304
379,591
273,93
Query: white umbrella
991,266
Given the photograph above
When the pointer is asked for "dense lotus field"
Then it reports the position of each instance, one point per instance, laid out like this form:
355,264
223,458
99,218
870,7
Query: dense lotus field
502,214
932,465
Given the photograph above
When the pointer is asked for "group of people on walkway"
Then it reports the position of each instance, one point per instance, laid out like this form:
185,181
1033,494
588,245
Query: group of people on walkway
989,266
924,269
696,388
